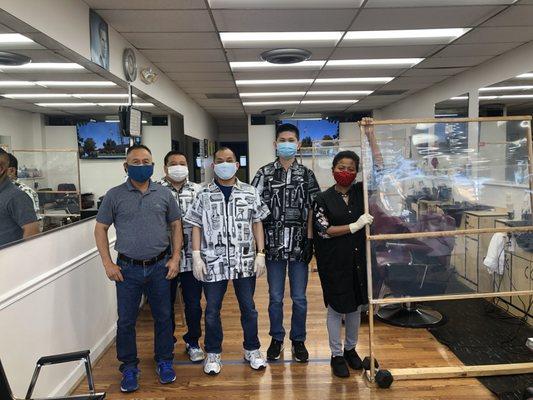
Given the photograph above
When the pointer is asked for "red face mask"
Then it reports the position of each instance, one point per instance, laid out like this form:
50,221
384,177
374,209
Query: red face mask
344,178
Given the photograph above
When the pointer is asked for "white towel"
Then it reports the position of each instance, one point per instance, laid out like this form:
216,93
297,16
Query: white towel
495,259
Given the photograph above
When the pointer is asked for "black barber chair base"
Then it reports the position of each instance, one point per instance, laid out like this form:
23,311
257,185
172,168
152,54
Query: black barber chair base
409,315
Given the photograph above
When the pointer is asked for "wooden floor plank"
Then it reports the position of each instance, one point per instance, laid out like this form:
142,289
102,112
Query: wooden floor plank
285,379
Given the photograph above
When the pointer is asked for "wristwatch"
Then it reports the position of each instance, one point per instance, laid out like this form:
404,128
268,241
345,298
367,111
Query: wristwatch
261,251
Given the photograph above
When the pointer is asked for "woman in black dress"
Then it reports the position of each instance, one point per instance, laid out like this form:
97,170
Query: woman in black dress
339,220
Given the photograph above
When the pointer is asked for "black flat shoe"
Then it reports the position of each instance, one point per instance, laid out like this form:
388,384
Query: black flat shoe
339,367
353,359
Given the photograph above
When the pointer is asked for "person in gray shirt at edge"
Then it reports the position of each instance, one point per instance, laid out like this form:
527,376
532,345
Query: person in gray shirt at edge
141,211
17,216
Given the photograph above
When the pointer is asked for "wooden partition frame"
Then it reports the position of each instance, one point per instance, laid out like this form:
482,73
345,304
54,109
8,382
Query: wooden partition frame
439,372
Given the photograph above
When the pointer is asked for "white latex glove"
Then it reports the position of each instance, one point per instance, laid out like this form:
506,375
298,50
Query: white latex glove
259,265
199,269
365,219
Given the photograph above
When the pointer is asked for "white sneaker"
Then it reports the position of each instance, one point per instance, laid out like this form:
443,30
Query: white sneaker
196,354
212,364
255,358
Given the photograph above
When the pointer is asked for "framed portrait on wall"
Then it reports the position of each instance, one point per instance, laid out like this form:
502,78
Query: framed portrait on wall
99,40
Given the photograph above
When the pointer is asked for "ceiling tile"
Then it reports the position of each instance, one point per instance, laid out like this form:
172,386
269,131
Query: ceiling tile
282,20
434,62
405,83
206,84
383,52
173,40
359,72
517,34
434,3
482,49
143,4
346,86
158,20
247,4
212,89
194,67
158,56
421,17
433,71
197,76
514,16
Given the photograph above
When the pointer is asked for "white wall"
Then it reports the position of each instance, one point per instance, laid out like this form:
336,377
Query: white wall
64,302
158,139
261,149
24,128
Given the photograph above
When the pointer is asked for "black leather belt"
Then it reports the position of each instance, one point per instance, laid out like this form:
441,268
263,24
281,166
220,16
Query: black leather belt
144,263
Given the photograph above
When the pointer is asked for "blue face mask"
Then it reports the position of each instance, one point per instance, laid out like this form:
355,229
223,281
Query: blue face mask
287,149
140,173
225,170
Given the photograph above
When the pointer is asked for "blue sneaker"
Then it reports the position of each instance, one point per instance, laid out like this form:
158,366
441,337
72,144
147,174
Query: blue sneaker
129,380
165,371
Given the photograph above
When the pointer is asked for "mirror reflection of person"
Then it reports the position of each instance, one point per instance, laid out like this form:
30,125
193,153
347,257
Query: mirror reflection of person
185,191
147,261
12,172
18,219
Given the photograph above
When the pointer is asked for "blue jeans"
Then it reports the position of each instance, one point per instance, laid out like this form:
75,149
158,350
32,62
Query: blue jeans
298,276
152,282
214,294
192,294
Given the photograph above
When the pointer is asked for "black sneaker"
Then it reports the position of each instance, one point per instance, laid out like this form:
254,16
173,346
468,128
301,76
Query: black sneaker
353,359
299,351
339,367
274,350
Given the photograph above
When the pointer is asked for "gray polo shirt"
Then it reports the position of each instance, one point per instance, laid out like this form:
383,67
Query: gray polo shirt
16,210
141,219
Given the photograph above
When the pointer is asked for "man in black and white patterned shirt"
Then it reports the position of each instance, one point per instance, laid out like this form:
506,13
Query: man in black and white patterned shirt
12,172
185,191
288,189
227,230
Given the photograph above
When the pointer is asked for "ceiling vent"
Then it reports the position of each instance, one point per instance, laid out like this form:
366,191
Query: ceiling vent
13,59
273,111
286,56
222,95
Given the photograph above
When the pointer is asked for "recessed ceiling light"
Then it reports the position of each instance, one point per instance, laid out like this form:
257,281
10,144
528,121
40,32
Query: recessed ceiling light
16,83
274,82
239,37
406,34
329,101
14,38
66,104
264,64
339,92
76,83
382,79
459,98
272,94
36,95
374,62
505,88
34,66
529,75
268,103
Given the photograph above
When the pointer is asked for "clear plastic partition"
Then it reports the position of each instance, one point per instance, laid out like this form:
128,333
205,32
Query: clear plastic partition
451,202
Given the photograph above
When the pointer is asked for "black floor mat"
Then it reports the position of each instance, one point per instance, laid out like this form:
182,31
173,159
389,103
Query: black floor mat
490,336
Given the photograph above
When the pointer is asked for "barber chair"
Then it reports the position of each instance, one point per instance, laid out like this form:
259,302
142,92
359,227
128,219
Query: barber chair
7,394
412,268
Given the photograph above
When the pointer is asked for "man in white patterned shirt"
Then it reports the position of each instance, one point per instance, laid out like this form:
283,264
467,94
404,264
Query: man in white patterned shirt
185,191
12,172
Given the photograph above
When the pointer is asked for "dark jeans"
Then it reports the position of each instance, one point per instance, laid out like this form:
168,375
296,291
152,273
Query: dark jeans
298,276
192,294
152,282
214,294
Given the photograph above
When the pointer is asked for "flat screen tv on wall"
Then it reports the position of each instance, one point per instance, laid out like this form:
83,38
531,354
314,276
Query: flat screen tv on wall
101,140
314,130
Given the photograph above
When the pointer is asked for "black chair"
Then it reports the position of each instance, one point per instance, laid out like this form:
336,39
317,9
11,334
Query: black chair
7,394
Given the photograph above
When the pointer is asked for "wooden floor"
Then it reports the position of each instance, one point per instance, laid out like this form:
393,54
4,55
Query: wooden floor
285,379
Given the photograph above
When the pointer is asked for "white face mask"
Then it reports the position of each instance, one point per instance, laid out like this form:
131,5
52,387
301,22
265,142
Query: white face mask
178,172
225,170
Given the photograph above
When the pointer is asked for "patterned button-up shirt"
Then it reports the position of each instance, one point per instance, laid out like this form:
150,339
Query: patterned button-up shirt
228,244
289,196
33,196
184,197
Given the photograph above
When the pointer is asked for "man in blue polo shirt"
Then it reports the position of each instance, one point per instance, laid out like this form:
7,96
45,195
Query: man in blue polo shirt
141,211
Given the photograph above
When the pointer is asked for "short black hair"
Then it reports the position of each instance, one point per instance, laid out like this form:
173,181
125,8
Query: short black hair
4,158
346,154
173,153
288,128
222,149
13,162
138,147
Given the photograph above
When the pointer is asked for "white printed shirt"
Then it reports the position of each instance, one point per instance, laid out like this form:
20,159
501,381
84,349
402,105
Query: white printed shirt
228,245
33,196
184,197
